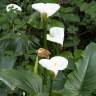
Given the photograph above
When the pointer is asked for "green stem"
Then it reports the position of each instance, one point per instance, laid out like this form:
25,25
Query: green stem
50,88
44,76
44,24
57,49
13,28
45,41
13,24
36,66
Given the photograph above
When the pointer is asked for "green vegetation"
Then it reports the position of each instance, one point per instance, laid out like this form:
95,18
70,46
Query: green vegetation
22,33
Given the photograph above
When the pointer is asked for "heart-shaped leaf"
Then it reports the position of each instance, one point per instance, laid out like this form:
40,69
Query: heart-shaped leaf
21,79
82,81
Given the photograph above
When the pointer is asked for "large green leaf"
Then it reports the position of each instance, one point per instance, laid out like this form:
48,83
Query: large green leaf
18,43
7,62
21,79
82,81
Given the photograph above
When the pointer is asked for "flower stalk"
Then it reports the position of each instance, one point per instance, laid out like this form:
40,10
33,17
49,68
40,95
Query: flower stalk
44,19
50,88
36,65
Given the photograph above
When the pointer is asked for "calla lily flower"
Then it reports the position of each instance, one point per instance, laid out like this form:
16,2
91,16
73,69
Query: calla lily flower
13,7
48,8
56,35
54,64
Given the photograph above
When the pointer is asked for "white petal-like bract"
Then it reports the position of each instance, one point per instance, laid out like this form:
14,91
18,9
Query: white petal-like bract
54,64
56,35
13,7
61,62
45,63
48,8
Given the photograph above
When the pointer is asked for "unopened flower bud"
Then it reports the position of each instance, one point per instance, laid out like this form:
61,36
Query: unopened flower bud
44,53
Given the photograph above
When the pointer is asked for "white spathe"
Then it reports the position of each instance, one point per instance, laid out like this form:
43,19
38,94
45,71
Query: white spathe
54,64
48,8
13,7
56,35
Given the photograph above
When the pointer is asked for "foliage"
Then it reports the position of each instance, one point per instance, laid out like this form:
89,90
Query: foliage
82,81
21,35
